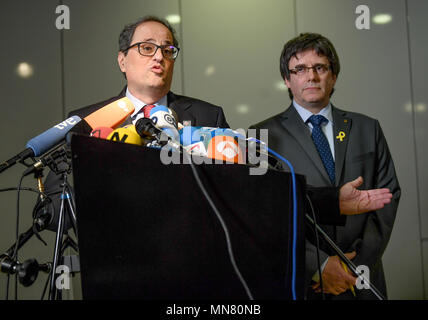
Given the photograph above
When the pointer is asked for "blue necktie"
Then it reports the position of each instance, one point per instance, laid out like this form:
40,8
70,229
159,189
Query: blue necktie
322,145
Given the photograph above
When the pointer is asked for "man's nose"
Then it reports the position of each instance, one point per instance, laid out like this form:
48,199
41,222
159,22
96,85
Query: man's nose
158,56
312,74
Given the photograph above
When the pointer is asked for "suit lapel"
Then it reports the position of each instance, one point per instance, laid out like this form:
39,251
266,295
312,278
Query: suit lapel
180,105
294,124
341,128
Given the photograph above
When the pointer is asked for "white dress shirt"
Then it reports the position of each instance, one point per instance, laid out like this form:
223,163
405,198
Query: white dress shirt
327,128
138,104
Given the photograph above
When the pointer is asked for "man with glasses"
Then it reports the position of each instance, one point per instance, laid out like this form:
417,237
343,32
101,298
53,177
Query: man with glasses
331,146
148,49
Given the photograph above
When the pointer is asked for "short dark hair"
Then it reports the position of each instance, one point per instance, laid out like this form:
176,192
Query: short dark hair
127,33
304,41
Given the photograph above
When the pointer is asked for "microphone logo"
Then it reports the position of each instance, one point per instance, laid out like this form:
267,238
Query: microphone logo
122,104
170,119
224,148
70,121
228,149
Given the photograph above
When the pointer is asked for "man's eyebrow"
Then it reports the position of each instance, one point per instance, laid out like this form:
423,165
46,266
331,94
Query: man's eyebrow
304,65
154,41
300,65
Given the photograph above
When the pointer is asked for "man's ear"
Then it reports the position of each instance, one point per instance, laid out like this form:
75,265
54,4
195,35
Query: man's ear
121,61
287,83
334,79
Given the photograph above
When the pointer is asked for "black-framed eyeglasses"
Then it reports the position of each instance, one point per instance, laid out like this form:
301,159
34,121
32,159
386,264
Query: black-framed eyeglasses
149,49
318,68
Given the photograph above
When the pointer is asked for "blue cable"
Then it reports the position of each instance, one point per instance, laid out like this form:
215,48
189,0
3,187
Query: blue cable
293,178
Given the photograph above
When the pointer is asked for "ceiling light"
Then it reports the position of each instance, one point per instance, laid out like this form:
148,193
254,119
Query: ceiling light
173,18
24,70
382,18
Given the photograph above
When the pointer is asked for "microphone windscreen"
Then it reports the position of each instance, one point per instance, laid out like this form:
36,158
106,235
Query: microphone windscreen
163,119
145,127
126,135
225,148
51,137
101,132
172,133
189,135
111,115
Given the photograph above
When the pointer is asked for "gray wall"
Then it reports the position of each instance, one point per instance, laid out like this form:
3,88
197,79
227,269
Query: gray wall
230,57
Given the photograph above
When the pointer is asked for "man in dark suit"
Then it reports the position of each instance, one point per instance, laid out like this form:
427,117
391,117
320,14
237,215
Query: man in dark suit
330,147
147,52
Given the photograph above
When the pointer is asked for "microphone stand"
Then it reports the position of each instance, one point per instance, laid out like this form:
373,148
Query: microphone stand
348,262
58,250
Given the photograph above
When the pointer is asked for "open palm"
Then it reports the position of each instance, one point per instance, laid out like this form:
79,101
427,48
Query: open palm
353,201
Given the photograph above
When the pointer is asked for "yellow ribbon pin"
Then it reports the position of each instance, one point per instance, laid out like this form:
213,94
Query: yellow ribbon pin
341,136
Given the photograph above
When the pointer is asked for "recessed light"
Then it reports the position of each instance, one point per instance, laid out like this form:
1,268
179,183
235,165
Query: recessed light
382,18
209,71
24,70
173,18
242,108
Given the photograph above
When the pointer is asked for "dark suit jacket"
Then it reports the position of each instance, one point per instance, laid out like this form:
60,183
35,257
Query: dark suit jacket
362,151
199,112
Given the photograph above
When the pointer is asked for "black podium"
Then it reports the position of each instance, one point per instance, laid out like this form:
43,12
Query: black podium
145,230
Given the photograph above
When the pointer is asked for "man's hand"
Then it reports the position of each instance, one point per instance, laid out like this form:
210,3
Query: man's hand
353,201
335,279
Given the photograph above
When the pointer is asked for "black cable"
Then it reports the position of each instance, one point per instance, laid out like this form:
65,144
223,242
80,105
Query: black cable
7,286
223,224
46,285
15,253
23,189
318,247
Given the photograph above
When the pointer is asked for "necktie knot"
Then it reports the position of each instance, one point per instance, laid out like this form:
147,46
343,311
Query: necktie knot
145,111
317,120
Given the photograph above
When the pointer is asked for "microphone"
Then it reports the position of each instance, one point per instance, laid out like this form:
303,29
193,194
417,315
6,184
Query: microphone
163,117
111,115
147,130
225,148
101,132
108,117
126,134
43,142
166,120
215,143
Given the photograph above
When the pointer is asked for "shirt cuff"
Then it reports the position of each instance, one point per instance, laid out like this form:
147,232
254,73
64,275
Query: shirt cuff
316,276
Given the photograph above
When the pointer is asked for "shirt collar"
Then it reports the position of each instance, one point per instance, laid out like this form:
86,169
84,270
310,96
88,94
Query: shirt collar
305,114
138,104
